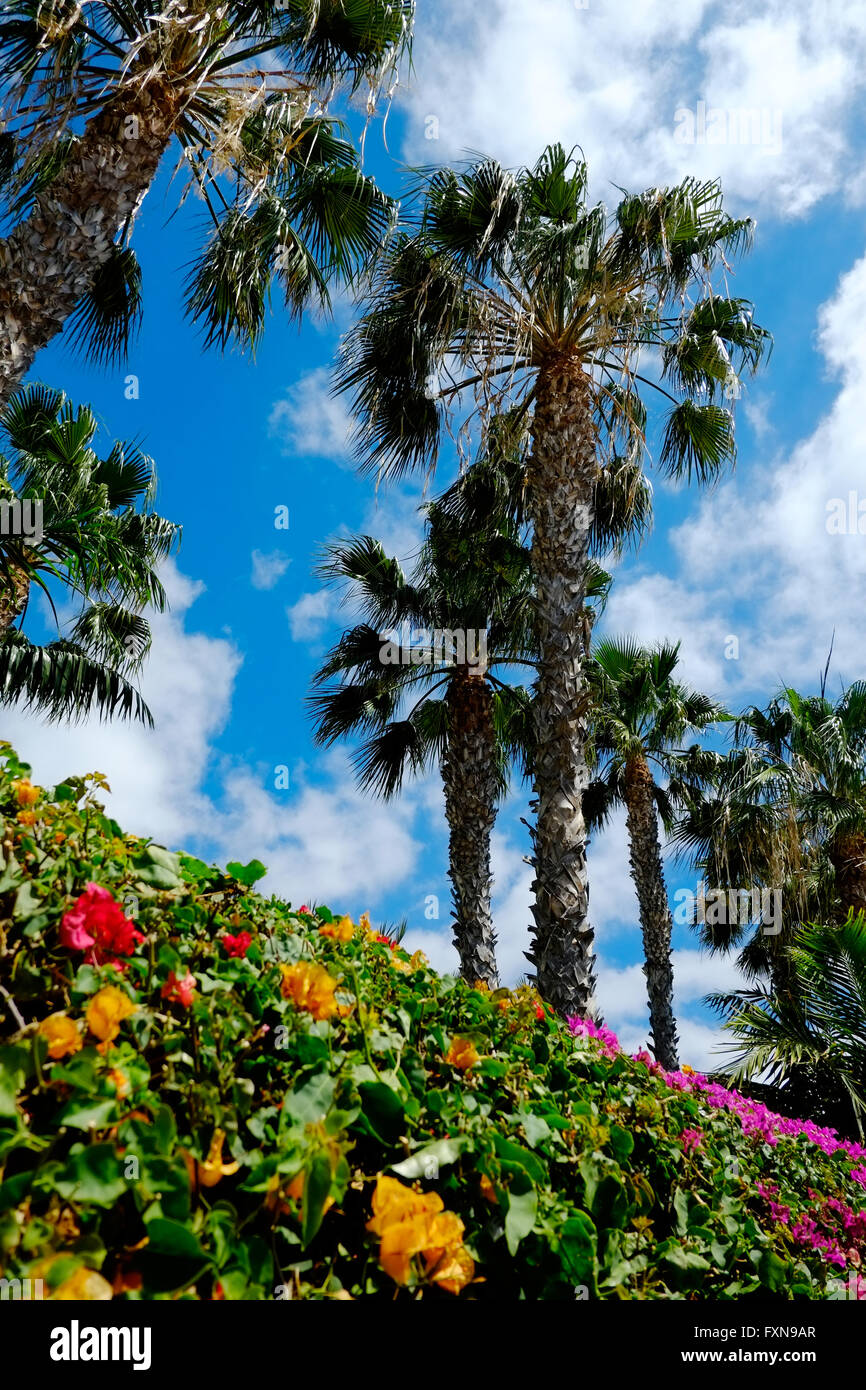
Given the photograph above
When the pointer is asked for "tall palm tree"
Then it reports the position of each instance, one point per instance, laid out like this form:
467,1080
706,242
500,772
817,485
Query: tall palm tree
786,813
98,92
80,526
507,291
640,719
438,692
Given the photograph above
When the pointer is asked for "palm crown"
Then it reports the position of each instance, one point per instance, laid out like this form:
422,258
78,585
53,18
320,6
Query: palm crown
98,542
438,692
507,294
98,91
787,812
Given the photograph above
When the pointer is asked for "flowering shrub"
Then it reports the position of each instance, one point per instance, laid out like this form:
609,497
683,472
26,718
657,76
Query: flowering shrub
207,1095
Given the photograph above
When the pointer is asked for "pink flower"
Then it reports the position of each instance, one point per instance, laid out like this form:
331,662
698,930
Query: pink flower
96,923
691,1140
859,1175
181,990
586,1028
237,946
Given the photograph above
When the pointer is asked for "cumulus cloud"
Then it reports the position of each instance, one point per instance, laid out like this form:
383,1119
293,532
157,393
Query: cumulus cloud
311,422
615,79
760,559
268,568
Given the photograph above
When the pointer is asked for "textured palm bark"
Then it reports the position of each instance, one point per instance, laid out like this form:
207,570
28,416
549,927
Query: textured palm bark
51,259
469,775
563,472
647,870
14,592
848,857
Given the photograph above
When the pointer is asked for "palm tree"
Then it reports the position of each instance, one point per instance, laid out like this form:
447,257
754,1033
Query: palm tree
438,693
786,814
640,718
84,526
809,1044
508,292
99,91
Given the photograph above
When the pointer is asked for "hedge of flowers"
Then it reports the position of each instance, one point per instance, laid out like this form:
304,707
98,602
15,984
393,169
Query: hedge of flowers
208,1094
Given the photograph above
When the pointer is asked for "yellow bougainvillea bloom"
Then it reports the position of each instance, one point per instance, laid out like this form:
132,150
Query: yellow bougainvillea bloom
62,1034
462,1054
419,961
343,930
212,1169
25,792
309,987
26,817
107,1010
84,1285
411,1224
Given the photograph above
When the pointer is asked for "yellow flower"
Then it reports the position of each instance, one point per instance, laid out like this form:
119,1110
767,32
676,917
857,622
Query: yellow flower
26,818
107,1010
419,961
25,792
309,987
689,1071
212,1169
365,924
462,1054
62,1034
403,966
411,1224
84,1285
343,930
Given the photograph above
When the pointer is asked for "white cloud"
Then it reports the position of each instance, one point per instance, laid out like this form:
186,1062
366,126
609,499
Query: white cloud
519,74
755,559
312,422
156,776
312,613
268,568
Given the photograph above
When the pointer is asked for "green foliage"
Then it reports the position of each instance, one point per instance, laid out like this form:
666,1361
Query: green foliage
230,1146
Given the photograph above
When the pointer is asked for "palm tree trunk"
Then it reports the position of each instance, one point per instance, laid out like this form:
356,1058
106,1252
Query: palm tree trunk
14,593
848,856
52,257
647,870
471,788
563,471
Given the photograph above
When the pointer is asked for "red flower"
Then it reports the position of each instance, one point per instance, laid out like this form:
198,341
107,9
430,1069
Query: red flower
181,990
237,946
96,924
539,1011
304,908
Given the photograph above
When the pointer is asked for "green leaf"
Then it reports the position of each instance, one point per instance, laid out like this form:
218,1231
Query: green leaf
158,868
382,1111
520,1216
92,1174
95,1114
317,1188
247,874
427,1162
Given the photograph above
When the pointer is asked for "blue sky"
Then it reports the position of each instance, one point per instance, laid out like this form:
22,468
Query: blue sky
233,439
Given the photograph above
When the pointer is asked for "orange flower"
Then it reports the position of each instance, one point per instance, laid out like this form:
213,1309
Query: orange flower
419,961
107,1010
213,1169
462,1054
120,1082
488,1191
310,988
25,792
343,930
412,1225
62,1034
26,817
